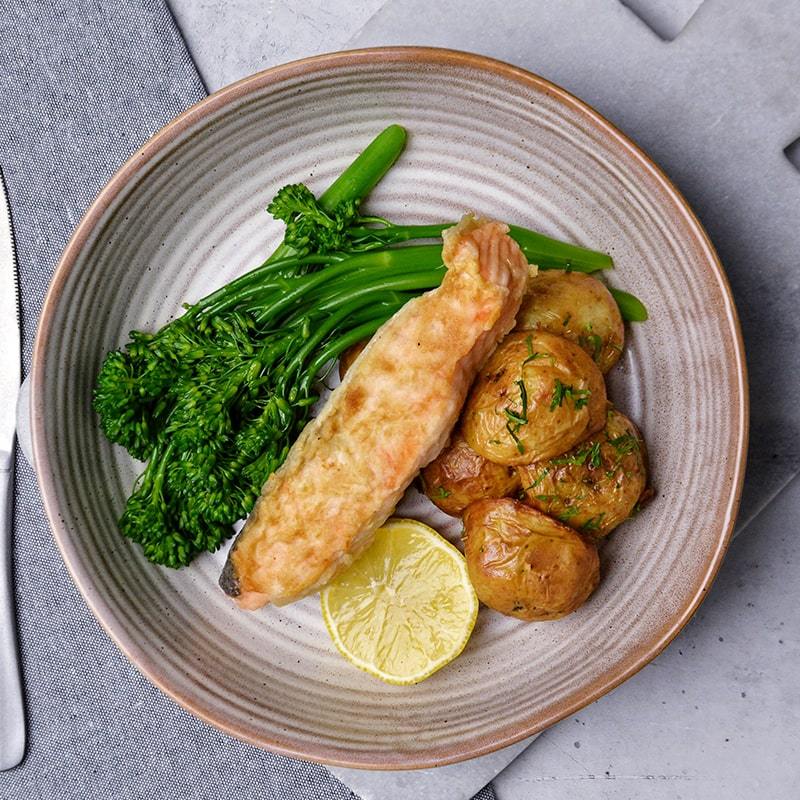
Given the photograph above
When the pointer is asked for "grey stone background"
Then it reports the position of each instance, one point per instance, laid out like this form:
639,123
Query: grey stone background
710,89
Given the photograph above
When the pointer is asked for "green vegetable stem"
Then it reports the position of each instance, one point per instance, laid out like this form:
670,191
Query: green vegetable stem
631,307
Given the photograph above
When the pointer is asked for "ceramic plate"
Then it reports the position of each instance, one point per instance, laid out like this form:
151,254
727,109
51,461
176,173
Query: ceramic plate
186,214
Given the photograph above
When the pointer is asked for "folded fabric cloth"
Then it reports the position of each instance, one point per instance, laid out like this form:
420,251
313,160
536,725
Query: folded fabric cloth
82,85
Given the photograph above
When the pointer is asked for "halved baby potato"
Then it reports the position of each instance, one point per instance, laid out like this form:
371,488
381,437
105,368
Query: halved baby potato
578,307
537,396
524,564
459,476
596,485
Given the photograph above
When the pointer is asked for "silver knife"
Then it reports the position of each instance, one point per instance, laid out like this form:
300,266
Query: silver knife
12,715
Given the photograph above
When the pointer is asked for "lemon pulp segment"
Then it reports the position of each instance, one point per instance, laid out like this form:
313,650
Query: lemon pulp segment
405,608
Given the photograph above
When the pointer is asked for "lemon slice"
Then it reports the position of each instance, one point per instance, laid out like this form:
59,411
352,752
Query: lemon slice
405,608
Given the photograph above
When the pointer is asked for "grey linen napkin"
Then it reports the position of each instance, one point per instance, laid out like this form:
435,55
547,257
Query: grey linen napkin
82,85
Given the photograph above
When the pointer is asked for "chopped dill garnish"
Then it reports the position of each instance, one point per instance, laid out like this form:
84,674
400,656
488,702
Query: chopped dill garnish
523,398
532,354
519,417
513,416
587,454
625,444
579,397
592,342
558,395
593,524
513,433
544,474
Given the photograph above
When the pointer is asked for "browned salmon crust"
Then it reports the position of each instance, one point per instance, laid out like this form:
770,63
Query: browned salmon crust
391,416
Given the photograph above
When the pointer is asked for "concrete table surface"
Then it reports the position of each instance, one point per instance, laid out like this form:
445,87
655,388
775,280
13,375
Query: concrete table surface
717,715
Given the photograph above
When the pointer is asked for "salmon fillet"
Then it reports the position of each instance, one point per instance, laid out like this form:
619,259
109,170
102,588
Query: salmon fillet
390,417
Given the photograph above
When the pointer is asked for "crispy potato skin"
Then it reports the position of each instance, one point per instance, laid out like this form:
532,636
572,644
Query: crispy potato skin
459,476
347,358
578,307
524,564
596,485
556,421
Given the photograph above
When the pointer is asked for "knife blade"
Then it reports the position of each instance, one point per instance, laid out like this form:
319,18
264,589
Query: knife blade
12,715
9,330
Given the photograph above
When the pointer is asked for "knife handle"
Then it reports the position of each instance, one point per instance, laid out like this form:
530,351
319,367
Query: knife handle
12,714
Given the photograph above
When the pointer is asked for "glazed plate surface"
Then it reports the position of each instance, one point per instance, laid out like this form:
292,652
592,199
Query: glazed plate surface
186,214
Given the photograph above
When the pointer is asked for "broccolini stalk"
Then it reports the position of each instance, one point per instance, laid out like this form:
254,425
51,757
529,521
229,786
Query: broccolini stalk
359,179
631,307
203,399
545,252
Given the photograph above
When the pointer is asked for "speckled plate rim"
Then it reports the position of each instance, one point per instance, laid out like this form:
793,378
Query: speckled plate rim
537,722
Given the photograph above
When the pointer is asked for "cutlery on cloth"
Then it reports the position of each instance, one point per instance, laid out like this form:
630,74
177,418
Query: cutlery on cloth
12,716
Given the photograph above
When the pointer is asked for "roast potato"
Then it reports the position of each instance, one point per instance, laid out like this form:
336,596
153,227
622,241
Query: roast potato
524,564
537,396
347,358
578,307
458,476
596,485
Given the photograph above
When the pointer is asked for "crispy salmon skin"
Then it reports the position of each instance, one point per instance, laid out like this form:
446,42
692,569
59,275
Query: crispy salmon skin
390,417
